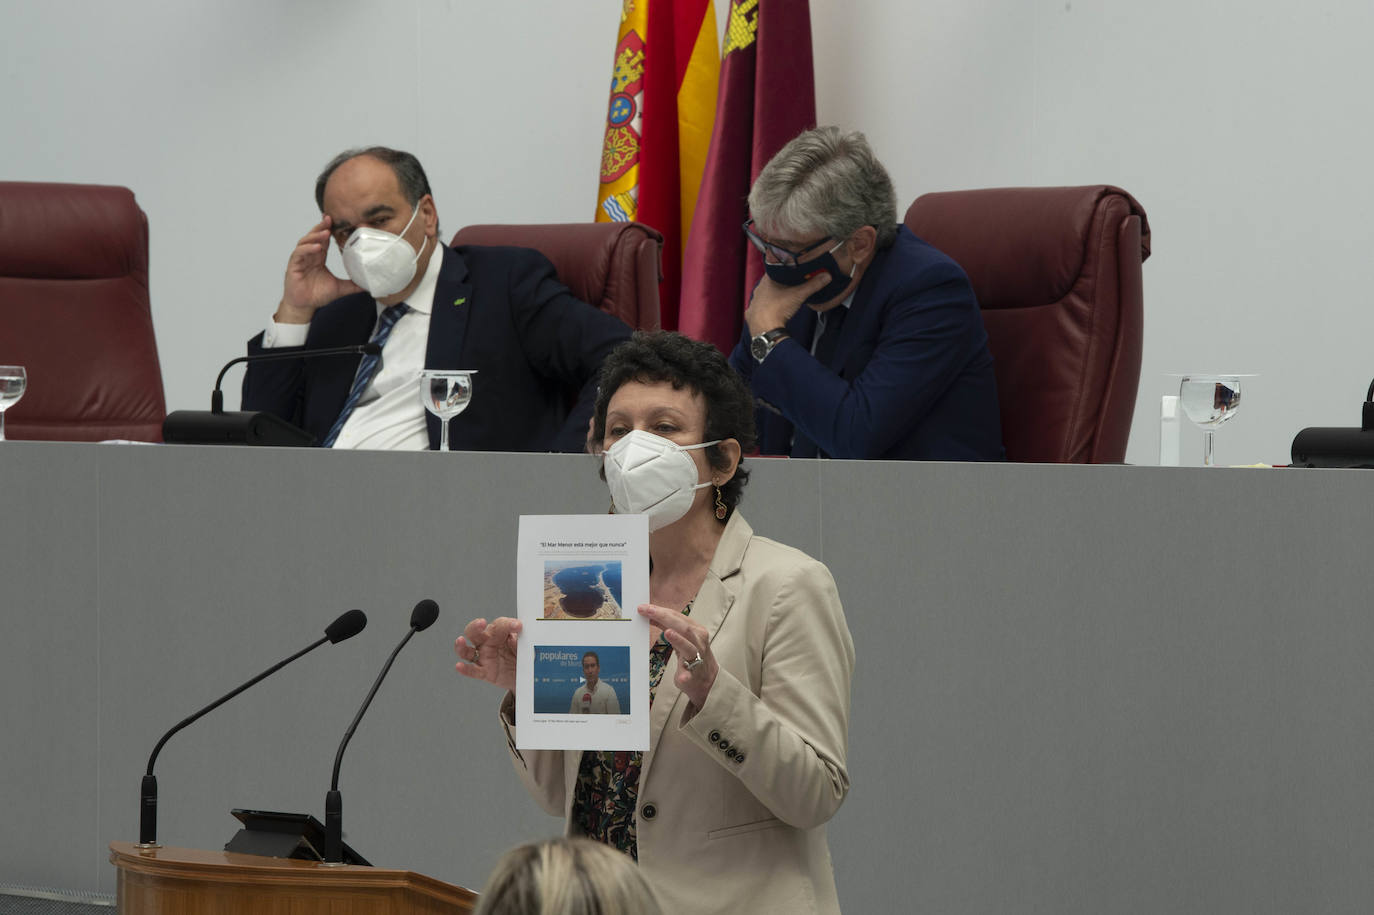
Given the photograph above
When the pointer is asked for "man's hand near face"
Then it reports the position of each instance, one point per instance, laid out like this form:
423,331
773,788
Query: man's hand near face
309,285
773,304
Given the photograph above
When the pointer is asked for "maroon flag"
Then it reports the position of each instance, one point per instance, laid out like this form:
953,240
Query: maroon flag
767,97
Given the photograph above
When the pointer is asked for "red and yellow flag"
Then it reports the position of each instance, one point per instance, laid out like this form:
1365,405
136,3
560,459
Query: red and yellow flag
767,97
659,124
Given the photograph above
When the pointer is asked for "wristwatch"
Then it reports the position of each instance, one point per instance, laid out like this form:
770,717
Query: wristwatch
763,344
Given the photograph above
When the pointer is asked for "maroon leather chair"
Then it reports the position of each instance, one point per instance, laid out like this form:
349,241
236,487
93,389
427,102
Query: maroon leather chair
615,266
74,312
1057,271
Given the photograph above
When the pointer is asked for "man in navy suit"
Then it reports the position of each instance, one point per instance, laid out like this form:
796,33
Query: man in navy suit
500,311
889,359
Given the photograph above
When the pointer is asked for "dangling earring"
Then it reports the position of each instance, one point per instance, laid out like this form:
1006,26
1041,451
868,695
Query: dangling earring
721,510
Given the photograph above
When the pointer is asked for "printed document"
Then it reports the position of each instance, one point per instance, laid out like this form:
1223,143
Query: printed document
583,657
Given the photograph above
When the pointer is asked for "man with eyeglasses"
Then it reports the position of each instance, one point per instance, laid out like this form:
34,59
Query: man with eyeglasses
889,358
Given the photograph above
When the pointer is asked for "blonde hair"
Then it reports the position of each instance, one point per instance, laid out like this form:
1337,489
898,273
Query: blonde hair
566,877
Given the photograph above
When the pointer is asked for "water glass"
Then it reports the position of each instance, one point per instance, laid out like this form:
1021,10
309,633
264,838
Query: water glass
13,381
446,394
1208,401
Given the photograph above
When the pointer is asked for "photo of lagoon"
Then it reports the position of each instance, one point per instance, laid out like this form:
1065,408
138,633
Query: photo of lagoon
582,590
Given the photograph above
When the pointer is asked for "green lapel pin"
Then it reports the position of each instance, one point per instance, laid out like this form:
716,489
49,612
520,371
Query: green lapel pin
460,300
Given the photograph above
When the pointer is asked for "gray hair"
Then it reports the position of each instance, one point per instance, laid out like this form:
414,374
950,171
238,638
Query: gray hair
410,175
566,877
826,182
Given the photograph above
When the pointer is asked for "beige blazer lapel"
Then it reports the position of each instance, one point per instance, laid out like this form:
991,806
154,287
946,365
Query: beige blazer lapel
711,606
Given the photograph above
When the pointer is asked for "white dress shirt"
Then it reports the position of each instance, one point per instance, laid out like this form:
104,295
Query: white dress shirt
601,700
390,415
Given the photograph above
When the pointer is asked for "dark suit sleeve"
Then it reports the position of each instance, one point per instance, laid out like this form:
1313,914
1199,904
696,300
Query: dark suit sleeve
741,359
563,338
275,387
924,343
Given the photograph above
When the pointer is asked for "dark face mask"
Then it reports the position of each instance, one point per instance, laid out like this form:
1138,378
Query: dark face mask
796,274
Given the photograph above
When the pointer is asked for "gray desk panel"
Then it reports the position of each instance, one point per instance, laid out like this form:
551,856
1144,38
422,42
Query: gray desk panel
1079,689
1108,689
49,752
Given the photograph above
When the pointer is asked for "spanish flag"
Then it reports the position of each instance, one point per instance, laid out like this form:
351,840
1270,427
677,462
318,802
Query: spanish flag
767,97
658,125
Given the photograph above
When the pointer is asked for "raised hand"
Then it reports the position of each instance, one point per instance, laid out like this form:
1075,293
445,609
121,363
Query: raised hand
773,304
309,284
486,651
691,641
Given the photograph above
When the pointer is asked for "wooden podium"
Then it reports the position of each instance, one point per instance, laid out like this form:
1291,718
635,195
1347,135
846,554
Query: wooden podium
183,881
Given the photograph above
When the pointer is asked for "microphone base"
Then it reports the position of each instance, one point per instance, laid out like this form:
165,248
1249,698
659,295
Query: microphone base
206,427
1333,447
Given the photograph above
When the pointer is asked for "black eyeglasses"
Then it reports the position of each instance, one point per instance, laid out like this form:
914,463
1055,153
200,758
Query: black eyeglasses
776,253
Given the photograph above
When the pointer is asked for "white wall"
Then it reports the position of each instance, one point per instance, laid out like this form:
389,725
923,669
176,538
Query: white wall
1240,127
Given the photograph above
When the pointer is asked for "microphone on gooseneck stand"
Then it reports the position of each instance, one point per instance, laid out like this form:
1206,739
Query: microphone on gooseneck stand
421,618
197,427
360,349
346,626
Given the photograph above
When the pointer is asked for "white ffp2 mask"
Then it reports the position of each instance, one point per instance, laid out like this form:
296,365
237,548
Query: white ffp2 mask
380,262
649,474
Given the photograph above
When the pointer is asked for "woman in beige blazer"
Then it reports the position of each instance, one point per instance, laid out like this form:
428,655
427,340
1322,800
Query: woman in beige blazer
751,663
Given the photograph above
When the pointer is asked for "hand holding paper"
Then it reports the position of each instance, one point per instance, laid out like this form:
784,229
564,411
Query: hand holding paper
690,641
486,651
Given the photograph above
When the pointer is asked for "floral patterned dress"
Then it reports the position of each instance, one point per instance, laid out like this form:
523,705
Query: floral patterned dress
607,789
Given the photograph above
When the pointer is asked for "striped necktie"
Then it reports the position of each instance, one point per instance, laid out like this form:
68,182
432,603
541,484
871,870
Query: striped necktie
366,369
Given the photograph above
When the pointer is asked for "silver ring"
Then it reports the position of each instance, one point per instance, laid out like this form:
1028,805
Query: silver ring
695,662
476,655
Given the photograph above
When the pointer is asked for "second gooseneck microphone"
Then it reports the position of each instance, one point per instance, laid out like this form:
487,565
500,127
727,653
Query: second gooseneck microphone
421,618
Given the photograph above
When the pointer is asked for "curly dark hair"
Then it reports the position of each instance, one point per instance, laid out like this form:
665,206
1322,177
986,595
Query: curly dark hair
656,356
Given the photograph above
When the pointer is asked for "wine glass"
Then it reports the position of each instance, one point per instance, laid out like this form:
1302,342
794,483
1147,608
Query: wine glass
1208,401
446,394
13,381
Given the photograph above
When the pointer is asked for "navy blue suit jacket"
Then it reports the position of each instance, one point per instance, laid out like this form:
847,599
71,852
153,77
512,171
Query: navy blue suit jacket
501,311
910,379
